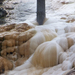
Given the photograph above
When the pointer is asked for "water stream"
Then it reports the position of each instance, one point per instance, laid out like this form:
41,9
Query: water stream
18,11
21,10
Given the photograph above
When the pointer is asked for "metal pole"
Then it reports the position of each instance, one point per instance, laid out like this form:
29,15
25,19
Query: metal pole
40,11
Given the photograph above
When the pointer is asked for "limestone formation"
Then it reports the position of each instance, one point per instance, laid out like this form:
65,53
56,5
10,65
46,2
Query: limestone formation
47,51
22,40
10,36
36,37
39,50
48,55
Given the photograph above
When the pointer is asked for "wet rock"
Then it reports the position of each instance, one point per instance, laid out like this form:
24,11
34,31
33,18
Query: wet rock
2,21
1,1
3,13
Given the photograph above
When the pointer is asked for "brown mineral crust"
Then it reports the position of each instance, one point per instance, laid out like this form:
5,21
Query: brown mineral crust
3,52
27,50
9,27
12,38
15,27
11,35
23,27
9,50
24,49
5,65
4,47
12,56
21,49
24,37
4,28
8,43
20,61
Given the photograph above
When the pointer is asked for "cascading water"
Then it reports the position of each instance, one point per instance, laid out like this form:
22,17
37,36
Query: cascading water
49,48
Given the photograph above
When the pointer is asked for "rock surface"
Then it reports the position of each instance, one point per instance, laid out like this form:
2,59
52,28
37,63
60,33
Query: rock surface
9,38
5,65
49,49
1,1
3,13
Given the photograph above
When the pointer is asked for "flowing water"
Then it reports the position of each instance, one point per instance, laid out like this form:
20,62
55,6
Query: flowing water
18,11
21,10
60,19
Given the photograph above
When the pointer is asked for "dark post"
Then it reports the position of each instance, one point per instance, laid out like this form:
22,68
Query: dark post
40,11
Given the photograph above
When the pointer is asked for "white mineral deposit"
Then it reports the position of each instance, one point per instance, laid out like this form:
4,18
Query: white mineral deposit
48,49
